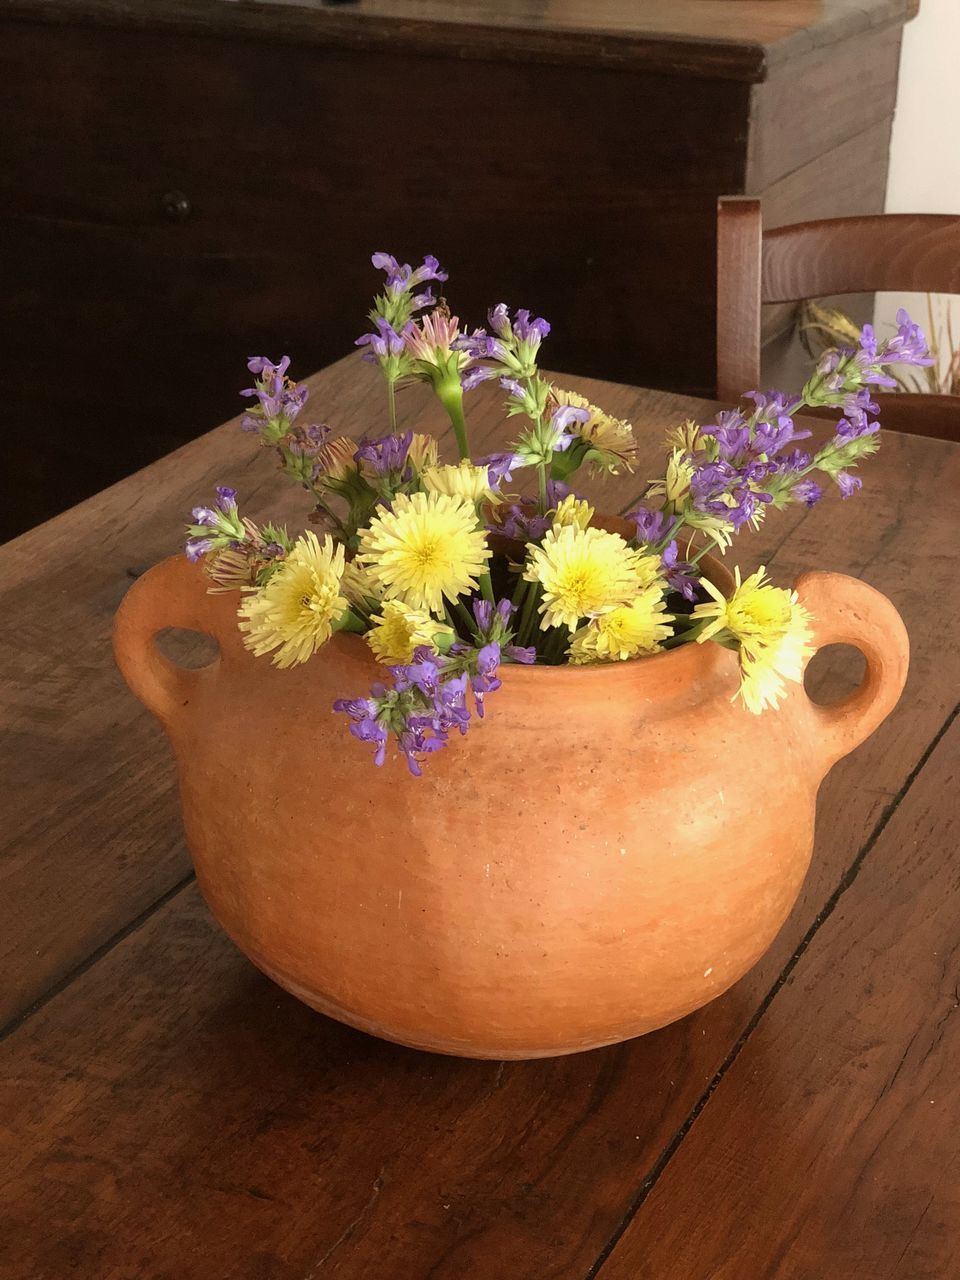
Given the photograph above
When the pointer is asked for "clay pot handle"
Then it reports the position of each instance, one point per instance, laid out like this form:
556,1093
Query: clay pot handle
847,611
171,594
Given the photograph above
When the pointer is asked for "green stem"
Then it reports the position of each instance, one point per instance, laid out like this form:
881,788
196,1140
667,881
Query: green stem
687,636
450,395
703,551
486,586
527,613
348,621
670,534
392,402
467,618
325,506
632,503
556,645
542,480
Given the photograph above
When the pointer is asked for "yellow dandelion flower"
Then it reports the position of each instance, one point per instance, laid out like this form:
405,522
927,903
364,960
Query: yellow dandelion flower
462,481
427,548
398,630
573,511
613,438
583,573
423,451
763,668
627,632
295,610
772,628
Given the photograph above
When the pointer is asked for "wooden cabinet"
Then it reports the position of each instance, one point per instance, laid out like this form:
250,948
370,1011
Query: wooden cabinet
186,182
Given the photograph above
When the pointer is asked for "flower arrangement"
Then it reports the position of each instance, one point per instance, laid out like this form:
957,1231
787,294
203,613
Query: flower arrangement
448,574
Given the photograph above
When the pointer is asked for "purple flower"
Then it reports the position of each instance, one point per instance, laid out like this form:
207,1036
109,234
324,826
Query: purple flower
498,318
565,415
387,455
795,460
530,331
385,342
500,467
556,492
855,426
450,709
386,262
401,278
424,672
365,727
908,347
523,523
485,679
517,653
493,621
205,516
214,528
483,613
279,399
197,548
263,367
480,345
848,484
680,574
649,524
471,378
807,491
513,387
772,405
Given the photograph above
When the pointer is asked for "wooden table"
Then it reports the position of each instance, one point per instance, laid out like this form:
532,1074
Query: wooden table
169,1114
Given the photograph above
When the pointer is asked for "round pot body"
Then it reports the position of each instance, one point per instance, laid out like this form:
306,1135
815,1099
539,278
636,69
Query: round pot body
607,850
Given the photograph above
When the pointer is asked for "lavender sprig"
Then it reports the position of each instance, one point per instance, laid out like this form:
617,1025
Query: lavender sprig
428,699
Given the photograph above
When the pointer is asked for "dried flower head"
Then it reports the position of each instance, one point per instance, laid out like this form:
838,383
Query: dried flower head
610,441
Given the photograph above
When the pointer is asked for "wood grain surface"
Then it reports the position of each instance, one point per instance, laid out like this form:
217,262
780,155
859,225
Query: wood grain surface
165,1111
834,1135
736,39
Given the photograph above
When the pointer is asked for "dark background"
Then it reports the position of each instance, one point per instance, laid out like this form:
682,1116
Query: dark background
189,182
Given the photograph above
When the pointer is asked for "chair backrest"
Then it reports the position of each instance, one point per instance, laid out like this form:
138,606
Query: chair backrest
901,252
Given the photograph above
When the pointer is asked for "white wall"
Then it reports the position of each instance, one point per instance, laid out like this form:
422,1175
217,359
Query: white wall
925,149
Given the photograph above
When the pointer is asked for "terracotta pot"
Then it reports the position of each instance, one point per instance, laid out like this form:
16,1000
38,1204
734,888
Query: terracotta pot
609,849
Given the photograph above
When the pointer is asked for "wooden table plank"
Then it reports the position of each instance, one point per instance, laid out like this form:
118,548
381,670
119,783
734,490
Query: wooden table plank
164,1105
831,1148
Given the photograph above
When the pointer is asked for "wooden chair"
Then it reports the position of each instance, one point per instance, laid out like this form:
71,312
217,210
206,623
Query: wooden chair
908,252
